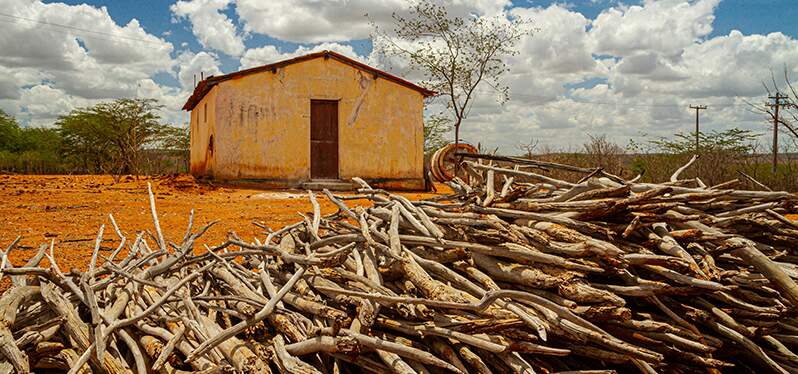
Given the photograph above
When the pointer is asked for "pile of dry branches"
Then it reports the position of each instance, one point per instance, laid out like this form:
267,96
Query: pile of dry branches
515,273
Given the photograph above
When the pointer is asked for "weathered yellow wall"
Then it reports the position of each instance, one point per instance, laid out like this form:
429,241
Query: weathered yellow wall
203,119
261,124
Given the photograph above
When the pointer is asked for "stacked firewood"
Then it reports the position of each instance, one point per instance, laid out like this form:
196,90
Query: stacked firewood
516,272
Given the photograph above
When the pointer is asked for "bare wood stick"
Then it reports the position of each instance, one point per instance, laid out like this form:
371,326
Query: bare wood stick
161,241
401,350
168,348
675,176
754,181
241,326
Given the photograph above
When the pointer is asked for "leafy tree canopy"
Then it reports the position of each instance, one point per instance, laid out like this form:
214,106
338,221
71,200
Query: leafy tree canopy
10,133
110,136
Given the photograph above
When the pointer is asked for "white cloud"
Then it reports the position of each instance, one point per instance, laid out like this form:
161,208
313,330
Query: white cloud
41,104
557,42
736,64
63,48
172,99
212,27
194,66
269,53
313,21
72,55
666,26
631,71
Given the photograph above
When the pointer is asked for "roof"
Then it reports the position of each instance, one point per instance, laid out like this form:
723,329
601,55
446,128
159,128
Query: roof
205,85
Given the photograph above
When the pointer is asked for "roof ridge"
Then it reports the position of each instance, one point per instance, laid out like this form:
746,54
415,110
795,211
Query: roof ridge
206,84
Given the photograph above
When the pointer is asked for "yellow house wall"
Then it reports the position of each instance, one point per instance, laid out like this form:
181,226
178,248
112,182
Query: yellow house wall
261,125
203,120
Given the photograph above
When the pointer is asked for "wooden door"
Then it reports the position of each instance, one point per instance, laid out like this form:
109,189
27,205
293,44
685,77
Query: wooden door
324,139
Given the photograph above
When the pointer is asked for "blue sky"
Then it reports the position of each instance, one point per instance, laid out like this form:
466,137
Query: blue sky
748,16
593,67
156,18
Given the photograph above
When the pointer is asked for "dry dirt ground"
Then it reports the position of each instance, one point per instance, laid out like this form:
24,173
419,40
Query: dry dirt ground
69,210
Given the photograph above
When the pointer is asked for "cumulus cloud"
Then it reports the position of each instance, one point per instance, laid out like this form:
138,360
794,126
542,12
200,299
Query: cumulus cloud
557,41
312,21
193,66
735,64
269,53
61,49
632,70
71,64
41,105
212,28
667,26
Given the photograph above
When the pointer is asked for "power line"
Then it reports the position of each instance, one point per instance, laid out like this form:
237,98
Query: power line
52,24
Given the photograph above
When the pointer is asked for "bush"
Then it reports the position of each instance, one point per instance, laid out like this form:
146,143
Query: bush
723,155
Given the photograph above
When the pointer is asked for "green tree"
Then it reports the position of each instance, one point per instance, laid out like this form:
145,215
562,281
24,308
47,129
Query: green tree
176,141
456,55
435,130
28,149
10,133
110,137
732,141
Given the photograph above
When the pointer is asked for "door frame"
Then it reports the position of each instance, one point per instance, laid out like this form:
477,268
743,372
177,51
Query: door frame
335,101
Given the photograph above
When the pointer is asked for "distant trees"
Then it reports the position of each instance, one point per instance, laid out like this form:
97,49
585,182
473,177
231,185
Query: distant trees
176,141
123,136
27,149
9,133
455,54
110,137
735,141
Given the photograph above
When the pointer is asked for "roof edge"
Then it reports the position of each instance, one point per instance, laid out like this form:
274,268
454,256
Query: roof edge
207,84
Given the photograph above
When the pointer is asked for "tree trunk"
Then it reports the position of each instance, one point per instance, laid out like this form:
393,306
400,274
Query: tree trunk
456,146
457,133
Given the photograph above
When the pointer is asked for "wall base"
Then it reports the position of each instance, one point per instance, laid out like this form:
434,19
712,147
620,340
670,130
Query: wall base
393,184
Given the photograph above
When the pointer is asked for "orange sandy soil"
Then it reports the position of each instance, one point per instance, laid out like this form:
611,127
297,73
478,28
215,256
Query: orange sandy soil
70,209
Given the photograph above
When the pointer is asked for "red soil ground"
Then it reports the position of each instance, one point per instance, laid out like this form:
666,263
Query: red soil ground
70,209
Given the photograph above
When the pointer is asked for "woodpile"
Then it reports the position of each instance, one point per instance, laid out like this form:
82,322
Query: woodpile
516,272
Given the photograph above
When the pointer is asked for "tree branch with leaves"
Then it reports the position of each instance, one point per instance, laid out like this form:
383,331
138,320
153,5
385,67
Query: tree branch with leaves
456,55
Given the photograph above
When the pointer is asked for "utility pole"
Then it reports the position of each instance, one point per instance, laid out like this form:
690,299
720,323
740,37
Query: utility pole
697,109
777,103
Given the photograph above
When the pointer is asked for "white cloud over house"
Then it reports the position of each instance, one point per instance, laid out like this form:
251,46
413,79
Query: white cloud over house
213,29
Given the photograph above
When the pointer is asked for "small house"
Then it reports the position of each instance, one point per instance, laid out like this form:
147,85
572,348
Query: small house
317,118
